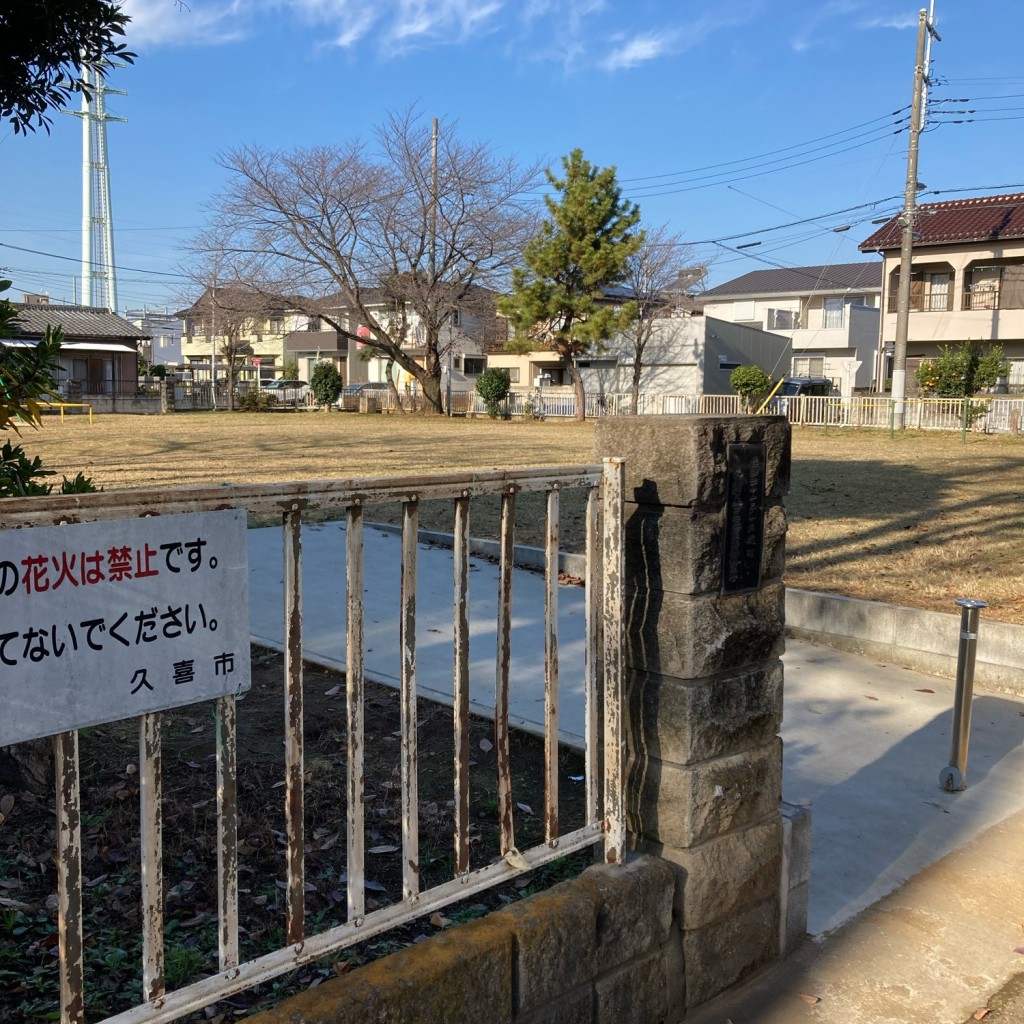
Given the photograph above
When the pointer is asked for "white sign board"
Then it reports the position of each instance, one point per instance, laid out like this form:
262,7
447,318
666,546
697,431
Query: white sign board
102,621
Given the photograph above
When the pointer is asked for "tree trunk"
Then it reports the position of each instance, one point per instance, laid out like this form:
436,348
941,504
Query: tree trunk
389,372
577,386
634,393
431,396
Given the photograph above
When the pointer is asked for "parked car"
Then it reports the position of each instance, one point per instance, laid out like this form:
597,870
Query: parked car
350,393
285,391
806,386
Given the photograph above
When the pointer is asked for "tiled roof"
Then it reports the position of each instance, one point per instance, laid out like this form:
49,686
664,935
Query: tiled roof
77,322
839,277
984,219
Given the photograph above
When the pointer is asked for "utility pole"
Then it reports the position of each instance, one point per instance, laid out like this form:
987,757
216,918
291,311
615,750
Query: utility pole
907,221
213,339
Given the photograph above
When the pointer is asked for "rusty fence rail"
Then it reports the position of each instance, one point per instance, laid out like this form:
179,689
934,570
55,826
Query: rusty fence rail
293,503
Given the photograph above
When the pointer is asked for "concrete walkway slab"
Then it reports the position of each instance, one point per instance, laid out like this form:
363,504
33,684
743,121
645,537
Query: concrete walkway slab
864,745
324,619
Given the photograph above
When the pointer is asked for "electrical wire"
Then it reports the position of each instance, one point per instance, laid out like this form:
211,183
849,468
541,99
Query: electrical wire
92,263
771,152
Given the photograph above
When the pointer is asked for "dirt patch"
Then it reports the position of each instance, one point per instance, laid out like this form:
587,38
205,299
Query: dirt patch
110,841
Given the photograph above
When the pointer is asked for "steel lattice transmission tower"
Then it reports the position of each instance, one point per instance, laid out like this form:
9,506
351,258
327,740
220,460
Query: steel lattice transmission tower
99,279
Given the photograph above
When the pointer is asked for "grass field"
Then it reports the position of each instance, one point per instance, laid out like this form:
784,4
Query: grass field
917,520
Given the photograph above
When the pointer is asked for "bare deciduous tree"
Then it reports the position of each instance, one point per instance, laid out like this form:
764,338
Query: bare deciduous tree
232,307
660,276
366,231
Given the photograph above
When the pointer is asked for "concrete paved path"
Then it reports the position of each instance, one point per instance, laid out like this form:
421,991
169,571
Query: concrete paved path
864,742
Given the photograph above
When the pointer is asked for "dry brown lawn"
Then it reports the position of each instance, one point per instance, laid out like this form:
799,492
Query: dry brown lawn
919,520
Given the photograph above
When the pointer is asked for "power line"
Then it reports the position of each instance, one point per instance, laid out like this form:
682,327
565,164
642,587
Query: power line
771,152
69,259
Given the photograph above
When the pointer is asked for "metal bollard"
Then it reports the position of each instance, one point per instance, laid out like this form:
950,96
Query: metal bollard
953,778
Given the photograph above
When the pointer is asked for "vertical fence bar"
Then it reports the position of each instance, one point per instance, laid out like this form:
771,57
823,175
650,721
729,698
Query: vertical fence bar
69,878
551,668
591,703
151,840
502,749
294,802
407,642
612,486
354,712
227,833
461,683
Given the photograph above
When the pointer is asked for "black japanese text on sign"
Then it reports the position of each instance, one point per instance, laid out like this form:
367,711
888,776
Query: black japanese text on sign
101,621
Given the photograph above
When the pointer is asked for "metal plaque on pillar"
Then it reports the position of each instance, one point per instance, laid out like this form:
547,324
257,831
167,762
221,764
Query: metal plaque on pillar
744,517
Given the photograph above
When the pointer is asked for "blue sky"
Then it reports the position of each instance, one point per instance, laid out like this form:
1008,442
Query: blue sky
723,119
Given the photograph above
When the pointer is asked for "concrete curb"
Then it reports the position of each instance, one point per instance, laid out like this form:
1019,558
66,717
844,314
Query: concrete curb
917,639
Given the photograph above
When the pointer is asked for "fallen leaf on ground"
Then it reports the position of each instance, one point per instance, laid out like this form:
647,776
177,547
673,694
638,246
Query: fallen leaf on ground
333,691
384,848
439,921
810,999
981,1013
525,807
926,690
868,696
486,745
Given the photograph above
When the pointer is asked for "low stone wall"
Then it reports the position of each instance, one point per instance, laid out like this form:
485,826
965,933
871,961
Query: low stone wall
603,948
917,639
144,405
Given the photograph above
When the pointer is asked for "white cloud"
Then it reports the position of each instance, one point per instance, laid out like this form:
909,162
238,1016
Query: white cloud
818,28
814,30
638,50
162,22
667,42
899,21
347,22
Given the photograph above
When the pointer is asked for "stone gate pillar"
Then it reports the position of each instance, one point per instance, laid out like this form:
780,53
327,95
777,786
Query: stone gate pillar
704,604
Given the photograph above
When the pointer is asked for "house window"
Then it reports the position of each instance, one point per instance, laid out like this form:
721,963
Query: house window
513,374
833,313
808,366
473,366
783,320
277,324
313,323
456,318
725,363
937,295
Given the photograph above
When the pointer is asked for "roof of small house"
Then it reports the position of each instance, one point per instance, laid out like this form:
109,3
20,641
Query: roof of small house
77,322
837,277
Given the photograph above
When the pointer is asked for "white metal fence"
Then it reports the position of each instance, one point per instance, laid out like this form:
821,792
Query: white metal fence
604,821
989,414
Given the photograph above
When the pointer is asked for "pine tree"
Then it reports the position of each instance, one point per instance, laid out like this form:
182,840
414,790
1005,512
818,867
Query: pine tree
560,299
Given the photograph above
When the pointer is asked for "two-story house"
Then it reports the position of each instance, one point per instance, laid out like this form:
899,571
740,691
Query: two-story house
967,279
234,324
830,314
468,333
